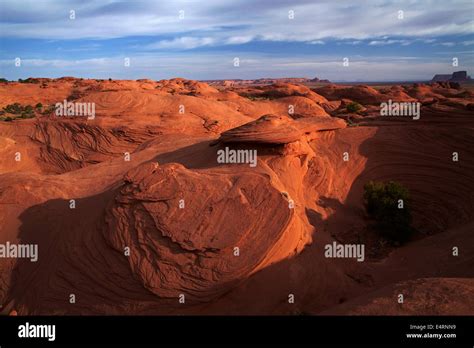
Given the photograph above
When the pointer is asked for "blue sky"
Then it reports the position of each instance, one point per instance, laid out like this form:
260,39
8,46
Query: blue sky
200,39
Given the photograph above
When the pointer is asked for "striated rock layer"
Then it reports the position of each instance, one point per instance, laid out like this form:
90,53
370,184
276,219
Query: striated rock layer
197,232
272,129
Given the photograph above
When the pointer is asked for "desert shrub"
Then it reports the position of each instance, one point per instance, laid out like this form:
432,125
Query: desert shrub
49,109
27,112
38,106
382,202
3,80
354,107
13,108
29,80
18,111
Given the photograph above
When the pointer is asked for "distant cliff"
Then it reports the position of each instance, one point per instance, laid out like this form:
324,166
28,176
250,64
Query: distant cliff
458,76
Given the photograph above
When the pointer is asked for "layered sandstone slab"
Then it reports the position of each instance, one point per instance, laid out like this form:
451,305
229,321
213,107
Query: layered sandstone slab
273,129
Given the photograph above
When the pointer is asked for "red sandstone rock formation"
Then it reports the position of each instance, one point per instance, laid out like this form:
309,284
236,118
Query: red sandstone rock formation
300,196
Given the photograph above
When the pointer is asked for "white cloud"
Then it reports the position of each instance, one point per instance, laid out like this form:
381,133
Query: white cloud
448,44
212,23
185,42
237,40
390,42
235,22
58,63
189,42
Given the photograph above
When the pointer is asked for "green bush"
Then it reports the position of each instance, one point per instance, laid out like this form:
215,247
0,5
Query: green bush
38,106
383,203
13,108
18,111
29,80
353,107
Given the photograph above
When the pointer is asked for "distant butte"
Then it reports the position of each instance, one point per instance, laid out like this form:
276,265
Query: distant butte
457,76
264,81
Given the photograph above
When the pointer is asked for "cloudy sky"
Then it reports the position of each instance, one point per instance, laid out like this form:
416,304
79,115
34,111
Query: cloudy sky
382,40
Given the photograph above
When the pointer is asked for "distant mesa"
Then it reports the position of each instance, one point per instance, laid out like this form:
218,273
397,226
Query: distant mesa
458,76
263,81
319,80
285,80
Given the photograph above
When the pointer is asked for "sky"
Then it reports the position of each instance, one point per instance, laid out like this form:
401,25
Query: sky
379,40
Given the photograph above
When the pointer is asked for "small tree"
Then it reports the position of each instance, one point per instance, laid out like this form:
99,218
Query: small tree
389,205
353,107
